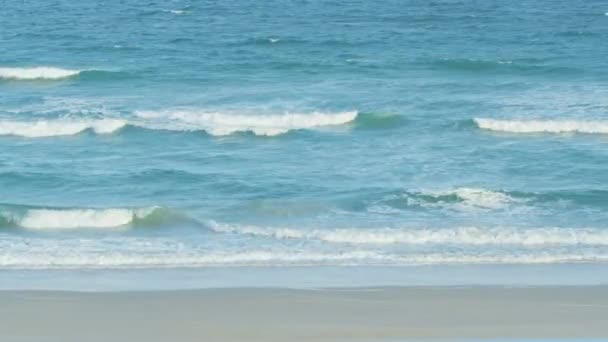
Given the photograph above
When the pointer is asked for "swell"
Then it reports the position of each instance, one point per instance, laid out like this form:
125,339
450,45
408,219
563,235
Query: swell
543,126
44,218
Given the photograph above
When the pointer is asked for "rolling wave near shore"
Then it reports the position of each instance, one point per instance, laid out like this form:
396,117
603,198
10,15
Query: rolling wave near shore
33,218
85,218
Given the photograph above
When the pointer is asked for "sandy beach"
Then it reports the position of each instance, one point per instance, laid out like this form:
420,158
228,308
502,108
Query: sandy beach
266,314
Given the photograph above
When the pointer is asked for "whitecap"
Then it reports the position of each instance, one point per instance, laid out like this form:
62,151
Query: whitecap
544,126
59,127
79,218
37,73
219,124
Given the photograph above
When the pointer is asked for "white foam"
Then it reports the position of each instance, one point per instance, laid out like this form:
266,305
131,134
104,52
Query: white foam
88,254
220,124
544,126
479,198
457,236
37,73
85,257
59,127
459,199
79,218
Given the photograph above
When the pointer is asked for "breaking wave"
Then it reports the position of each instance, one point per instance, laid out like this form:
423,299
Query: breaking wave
457,199
50,128
543,126
219,124
56,219
449,236
213,123
37,73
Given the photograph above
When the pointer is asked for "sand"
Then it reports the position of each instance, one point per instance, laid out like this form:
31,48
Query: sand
266,314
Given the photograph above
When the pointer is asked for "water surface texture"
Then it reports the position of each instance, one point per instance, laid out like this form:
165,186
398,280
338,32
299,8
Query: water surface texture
145,134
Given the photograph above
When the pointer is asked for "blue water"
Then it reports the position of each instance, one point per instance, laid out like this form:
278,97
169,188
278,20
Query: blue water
198,134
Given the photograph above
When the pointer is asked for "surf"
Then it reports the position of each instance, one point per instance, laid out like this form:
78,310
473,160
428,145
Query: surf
50,219
543,126
59,127
429,236
37,73
222,124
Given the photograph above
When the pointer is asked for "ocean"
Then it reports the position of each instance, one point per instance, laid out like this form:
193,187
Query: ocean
290,135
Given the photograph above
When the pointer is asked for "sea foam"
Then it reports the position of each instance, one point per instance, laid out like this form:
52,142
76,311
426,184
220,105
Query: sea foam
461,199
79,218
37,73
455,236
52,255
476,197
544,126
220,124
59,127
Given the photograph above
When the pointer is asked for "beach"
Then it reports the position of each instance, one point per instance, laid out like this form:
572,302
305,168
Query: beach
327,171
279,314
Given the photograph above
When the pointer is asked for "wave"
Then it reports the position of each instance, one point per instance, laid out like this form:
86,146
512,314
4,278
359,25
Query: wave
58,219
216,124
459,199
168,258
445,236
220,124
60,127
50,256
36,73
543,126
468,197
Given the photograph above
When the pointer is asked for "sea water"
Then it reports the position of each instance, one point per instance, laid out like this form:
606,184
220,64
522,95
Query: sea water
147,135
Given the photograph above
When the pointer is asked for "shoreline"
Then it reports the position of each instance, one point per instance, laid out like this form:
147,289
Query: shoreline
332,314
306,277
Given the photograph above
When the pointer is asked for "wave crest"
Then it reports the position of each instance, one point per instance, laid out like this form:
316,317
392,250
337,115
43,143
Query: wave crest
36,73
458,199
49,128
220,124
52,219
543,126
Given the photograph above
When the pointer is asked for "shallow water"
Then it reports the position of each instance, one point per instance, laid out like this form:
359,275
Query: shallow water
194,134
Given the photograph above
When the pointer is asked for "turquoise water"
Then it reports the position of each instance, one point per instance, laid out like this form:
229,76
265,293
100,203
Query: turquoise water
197,134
